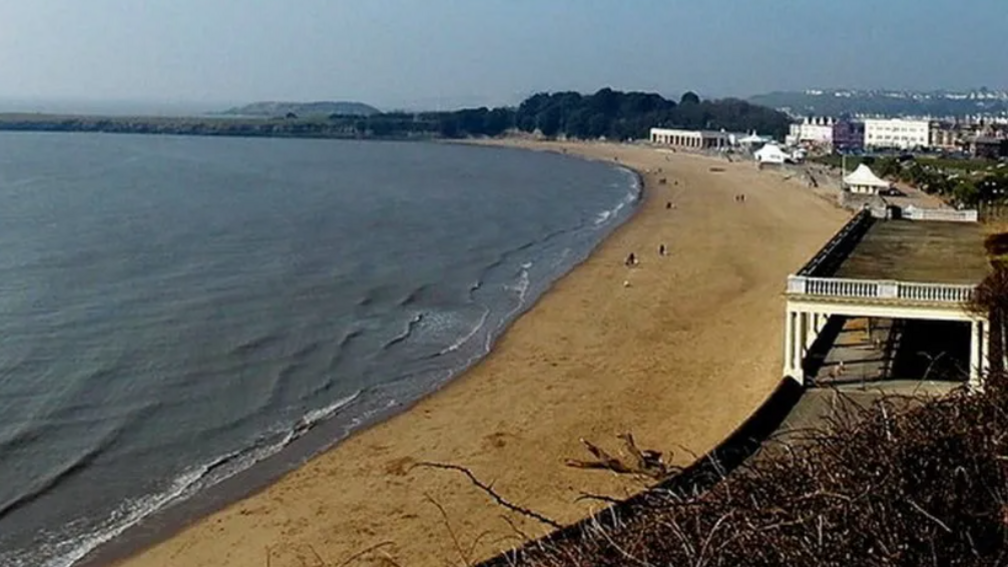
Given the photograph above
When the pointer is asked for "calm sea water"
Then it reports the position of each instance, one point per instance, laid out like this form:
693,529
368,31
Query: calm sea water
176,310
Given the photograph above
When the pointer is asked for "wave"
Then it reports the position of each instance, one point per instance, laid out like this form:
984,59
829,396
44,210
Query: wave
314,417
67,552
632,196
306,351
252,345
20,438
405,334
66,471
413,296
465,338
349,337
126,516
524,281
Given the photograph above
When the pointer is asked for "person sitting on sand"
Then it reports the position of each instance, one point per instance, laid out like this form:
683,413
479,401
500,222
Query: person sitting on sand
631,260
661,249
668,205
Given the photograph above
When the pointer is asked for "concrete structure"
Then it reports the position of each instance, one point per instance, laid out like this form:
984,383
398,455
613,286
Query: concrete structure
812,130
897,133
863,181
690,139
895,270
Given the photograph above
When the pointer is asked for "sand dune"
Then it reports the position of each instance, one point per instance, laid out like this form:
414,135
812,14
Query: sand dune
680,357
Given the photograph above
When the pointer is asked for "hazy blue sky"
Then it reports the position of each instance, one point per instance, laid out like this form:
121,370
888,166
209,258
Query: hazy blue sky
422,53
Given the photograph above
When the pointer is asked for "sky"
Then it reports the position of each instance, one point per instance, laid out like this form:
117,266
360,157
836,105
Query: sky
449,53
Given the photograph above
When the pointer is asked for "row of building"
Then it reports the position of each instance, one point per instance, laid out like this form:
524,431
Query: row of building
823,134
898,133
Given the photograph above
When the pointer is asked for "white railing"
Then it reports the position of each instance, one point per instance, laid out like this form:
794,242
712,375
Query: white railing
914,213
879,289
942,293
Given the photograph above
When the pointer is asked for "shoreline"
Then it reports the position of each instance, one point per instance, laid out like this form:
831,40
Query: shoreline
164,523
572,334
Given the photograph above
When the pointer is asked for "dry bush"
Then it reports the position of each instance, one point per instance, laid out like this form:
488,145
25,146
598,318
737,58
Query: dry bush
890,483
885,485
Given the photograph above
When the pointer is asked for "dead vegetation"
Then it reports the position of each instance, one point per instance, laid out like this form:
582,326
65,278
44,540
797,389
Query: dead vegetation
890,483
645,462
882,485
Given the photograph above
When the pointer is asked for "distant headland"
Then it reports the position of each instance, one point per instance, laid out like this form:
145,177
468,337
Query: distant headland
302,109
606,114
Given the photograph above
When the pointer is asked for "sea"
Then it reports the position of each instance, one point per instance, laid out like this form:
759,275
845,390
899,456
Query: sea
178,314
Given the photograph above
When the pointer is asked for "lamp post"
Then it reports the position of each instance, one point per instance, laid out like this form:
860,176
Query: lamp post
843,169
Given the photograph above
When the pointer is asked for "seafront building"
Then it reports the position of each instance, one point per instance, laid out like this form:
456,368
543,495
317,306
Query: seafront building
945,136
812,130
989,147
887,299
848,135
691,139
897,133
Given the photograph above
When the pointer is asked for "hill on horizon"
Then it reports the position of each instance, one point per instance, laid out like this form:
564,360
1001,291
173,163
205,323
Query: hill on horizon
302,109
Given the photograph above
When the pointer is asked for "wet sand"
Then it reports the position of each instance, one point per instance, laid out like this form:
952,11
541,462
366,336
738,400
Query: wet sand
678,350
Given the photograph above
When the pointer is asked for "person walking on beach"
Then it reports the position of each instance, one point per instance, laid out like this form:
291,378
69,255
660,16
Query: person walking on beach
631,260
661,249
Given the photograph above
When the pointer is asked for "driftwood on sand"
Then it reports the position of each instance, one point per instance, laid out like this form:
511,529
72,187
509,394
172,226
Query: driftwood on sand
644,462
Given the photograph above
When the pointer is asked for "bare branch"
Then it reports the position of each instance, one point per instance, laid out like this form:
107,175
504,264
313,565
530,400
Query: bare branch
493,494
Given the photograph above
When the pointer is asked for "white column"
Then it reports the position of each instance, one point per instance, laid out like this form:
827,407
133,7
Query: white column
788,343
975,353
811,332
985,348
801,320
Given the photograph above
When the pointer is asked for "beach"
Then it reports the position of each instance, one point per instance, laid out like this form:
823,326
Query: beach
677,350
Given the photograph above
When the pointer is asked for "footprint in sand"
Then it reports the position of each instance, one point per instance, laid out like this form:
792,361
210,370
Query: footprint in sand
496,440
400,466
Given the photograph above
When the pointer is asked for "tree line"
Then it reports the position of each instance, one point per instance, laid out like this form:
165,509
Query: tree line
614,115
606,114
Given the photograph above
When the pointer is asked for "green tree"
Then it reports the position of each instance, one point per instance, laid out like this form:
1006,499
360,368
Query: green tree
689,97
966,193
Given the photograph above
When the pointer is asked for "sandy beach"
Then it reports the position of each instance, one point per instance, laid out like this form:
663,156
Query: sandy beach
678,350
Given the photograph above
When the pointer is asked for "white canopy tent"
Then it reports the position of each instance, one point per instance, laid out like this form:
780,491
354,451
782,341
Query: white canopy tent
753,140
771,153
864,181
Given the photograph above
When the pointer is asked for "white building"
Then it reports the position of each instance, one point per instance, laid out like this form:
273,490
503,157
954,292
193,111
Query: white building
816,130
864,181
897,133
690,139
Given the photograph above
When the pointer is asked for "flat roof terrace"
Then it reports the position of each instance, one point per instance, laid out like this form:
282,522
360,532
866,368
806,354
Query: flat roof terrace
918,251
